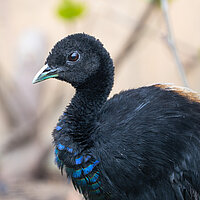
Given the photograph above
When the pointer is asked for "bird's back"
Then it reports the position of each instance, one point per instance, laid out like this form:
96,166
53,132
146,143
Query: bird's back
152,135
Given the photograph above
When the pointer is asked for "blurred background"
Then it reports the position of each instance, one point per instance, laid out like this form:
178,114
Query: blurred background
135,34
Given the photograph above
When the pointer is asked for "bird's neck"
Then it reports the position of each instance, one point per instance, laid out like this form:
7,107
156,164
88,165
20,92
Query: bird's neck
86,103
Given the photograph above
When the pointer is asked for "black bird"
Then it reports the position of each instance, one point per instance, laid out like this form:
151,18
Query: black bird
142,144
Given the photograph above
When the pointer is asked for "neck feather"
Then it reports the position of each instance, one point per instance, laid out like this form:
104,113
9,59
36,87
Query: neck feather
86,103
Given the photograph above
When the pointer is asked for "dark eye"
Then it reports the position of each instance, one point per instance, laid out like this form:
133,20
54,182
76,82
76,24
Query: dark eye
73,56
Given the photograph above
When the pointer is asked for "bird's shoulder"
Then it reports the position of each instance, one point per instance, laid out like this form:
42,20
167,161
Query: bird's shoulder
153,91
157,97
151,114
182,91
143,133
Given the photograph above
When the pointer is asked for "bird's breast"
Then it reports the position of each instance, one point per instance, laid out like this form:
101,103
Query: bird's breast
82,169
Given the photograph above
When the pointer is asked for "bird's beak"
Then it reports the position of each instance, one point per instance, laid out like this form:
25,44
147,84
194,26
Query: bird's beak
44,73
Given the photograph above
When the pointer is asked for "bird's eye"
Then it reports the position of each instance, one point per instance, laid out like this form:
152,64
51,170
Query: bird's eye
73,56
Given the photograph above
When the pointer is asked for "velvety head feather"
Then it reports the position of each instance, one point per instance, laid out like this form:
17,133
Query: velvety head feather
92,55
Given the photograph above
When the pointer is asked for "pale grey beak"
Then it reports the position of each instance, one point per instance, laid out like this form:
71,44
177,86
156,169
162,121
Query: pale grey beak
45,73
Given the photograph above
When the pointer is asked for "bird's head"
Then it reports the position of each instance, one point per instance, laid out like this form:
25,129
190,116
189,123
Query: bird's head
73,59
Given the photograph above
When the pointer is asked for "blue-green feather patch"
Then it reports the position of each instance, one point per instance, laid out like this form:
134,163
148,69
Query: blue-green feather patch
79,160
94,178
90,167
58,128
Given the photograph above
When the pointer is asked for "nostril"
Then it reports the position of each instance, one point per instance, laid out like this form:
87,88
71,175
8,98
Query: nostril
47,69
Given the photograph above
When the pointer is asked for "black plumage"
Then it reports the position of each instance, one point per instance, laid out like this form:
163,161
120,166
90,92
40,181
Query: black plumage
142,144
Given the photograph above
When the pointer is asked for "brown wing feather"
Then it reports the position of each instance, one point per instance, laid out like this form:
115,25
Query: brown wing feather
183,91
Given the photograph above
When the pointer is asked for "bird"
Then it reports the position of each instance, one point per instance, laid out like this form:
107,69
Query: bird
140,144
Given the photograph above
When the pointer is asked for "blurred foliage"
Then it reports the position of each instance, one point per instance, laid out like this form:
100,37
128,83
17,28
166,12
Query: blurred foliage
158,2
70,9
199,54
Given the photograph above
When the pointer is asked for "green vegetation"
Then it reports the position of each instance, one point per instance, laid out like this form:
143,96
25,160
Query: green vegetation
157,1
70,9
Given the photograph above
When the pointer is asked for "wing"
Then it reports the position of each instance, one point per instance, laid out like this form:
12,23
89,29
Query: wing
144,136
183,91
186,185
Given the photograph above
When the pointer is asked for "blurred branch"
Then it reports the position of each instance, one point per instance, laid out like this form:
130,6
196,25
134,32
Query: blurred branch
39,169
11,111
29,133
135,35
14,102
20,136
171,42
192,63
